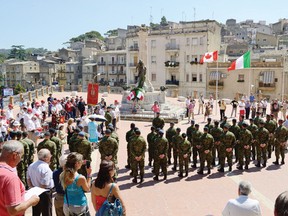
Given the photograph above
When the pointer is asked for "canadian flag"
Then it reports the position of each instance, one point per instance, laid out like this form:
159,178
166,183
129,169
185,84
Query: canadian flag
209,57
131,96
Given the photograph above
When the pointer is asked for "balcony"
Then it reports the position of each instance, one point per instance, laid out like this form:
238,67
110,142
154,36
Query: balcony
172,64
212,84
121,72
122,63
171,46
101,63
112,72
172,82
267,86
132,64
113,63
134,48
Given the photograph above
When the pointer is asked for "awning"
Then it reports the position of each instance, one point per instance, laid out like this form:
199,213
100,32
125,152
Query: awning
268,76
214,75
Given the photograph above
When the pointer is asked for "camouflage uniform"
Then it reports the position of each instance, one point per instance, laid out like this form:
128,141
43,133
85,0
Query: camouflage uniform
176,140
22,166
72,142
31,145
108,117
108,146
245,139
253,129
281,135
151,146
161,148
158,122
195,141
262,139
51,146
129,135
58,143
169,135
270,125
206,144
209,125
216,132
84,148
137,149
235,129
189,132
228,141
184,150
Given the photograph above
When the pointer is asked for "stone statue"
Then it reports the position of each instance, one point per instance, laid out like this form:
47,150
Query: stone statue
141,74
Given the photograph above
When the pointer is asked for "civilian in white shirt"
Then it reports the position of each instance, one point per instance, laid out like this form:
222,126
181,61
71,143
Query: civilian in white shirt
37,109
242,107
286,122
59,106
28,121
39,174
9,112
243,205
43,109
187,102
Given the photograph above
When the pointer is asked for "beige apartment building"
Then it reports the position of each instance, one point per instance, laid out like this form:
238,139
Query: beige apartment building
171,54
26,73
263,79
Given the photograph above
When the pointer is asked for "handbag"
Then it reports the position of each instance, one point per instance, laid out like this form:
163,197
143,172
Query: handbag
110,209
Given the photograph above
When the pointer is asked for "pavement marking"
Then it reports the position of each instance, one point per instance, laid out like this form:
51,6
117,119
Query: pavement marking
257,194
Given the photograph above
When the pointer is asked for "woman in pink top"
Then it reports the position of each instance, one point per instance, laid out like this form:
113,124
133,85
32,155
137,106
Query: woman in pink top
102,184
155,108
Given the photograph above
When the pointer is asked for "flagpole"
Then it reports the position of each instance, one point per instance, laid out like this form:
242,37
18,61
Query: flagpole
216,97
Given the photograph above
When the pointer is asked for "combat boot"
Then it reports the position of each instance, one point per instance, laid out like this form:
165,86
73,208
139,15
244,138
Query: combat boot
141,179
156,178
169,162
258,164
131,174
264,164
276,162
174,168
213,163
221,169
180,175
194,165
165,177
282,162
230,168
134,180
246,167
209,171
200,172
127,166
186,174
149,164
239,167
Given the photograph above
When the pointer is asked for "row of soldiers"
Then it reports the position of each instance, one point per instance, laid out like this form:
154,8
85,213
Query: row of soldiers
217,142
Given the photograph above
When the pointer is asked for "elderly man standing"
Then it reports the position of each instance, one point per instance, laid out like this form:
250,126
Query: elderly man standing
12,200
40,175
243,205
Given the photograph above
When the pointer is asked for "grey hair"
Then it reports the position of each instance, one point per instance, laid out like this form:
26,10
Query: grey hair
43,153
245,188
11,146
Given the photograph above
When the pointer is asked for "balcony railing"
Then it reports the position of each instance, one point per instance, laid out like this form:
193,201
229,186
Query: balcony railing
267,85
132,64
171,46
213,83
172,64
172,82
133,48
101,63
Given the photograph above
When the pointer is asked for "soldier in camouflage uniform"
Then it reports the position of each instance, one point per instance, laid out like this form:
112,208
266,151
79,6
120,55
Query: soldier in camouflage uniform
189,132
158,122
228,141
241,120
31,145
253,128
281,135
184,153
271,126
257,118
195,142
235,129
216,132
209,125
113,133
58,143
176,140
73,140
108,147
108,116
169,134
261,145
84,148
129,135
22,166
205,149
160,155
151,145
245,140
224,122
137,150
51,146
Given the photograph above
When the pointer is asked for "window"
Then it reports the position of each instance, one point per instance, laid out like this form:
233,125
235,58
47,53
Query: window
201,40
153,59
187,77
194,77
113,68
200,78
153,43
194,58
240,78
187,41
187,58
153,77
264,39
194,41
102,59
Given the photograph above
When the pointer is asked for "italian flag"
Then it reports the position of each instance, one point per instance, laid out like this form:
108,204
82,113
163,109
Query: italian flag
140,95
209,57
131,96
243,62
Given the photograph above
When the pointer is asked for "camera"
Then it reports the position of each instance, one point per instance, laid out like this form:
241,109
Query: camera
88,164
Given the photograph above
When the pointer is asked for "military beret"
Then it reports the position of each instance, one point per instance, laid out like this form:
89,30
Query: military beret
109,131
251,119
196,125
161,131
257,112
158,113
227,126
192,122
152,128
261,121
47,133
52,130
184,135
206,128
77,130
244,124
234,120
82,134
19,133
209,119
172,123
178,129
280,120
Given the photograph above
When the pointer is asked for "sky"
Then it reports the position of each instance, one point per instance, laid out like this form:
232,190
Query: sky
50,23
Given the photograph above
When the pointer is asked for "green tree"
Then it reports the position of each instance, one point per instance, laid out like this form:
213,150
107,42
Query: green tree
19,89
163,21
17,52
110,33
2,58
88,35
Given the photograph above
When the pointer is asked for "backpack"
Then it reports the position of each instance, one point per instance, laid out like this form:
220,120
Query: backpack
110,209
